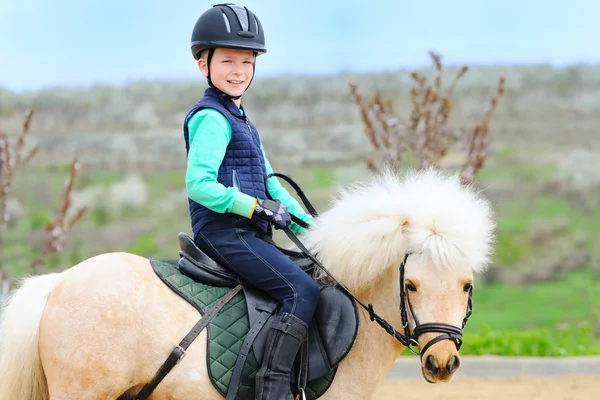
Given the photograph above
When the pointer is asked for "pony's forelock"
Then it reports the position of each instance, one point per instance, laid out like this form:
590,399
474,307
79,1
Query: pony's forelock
372,224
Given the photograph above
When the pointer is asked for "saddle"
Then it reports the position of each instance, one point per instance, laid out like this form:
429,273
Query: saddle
331,335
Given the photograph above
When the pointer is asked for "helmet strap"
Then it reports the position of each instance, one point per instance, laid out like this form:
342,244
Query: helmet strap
209,57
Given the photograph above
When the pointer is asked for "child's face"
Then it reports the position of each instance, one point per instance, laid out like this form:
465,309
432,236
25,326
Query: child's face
230,70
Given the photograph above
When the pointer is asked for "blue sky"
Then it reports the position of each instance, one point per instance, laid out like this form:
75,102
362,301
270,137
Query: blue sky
74,42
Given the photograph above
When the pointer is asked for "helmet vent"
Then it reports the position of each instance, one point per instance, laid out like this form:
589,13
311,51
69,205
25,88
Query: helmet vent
242,15
226,22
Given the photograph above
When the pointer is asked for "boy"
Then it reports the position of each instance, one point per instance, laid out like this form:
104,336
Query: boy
225,181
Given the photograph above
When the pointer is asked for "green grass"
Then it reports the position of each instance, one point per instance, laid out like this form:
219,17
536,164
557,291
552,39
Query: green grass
166,181
515,215
145,245
515,218
322,178
577,340
569,299
559,318
555,318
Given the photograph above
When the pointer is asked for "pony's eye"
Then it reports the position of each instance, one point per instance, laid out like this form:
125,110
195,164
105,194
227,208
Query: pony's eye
468,287
410,287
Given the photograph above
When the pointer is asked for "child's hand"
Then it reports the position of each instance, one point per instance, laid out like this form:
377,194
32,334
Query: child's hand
273,212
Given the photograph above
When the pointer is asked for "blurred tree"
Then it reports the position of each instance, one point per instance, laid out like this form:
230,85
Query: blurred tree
14,157
426,132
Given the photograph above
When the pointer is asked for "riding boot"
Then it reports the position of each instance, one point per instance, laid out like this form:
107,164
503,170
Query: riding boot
283,343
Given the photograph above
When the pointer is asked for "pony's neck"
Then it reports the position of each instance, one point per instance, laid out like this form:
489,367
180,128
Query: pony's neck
375,351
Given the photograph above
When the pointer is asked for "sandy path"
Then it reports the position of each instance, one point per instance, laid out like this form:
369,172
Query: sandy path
535,388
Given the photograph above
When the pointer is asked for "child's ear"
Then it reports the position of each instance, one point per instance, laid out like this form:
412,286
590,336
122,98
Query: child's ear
203,67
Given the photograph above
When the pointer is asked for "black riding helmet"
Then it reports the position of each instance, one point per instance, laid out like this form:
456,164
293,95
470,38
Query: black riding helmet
230,26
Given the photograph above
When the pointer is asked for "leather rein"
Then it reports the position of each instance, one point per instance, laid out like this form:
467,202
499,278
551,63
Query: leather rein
407,338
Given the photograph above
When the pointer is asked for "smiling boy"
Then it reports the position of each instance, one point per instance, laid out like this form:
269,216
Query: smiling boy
225,180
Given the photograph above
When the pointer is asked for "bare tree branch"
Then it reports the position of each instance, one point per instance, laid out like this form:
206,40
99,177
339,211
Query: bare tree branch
12,159
426,132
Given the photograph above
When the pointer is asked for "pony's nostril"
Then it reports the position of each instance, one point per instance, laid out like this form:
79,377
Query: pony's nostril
454,364
430,365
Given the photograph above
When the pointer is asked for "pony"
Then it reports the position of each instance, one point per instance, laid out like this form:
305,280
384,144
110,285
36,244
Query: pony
102,328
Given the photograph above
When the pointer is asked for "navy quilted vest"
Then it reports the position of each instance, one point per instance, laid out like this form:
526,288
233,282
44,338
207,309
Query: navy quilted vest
243,156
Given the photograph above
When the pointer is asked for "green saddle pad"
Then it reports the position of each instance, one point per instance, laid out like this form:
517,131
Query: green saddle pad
226,332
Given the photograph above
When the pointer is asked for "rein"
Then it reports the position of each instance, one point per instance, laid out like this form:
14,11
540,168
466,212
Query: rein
407,339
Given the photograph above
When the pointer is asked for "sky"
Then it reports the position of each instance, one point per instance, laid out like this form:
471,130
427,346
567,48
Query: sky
79,43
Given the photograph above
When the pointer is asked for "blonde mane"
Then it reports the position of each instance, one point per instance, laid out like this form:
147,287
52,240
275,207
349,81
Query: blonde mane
371,225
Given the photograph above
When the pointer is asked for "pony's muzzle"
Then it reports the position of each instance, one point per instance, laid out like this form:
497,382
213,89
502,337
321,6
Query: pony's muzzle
440,367
433,369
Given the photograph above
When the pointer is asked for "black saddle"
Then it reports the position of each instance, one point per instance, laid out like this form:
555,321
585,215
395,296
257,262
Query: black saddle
334,328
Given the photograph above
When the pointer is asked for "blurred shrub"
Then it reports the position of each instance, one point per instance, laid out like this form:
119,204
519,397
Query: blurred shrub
107,201
511,248
578,178
39,219
145,245
570,340
128,194
14,212
70,256
174,202
580,170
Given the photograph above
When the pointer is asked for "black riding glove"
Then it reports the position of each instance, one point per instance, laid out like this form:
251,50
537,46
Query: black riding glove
273,212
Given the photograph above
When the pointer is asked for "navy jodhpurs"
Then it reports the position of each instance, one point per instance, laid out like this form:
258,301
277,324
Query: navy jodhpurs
237,244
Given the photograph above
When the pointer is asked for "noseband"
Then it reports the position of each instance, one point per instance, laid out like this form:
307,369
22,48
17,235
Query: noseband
448,332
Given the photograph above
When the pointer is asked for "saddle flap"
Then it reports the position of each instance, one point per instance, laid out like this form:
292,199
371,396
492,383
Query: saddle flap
336,319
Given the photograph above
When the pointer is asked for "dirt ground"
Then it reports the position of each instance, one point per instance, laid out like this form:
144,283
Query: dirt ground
534,388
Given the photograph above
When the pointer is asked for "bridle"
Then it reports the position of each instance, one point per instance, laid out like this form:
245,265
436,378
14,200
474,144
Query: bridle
408,339
448,332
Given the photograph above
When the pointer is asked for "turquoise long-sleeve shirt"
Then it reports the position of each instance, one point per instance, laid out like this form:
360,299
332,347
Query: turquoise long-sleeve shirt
209,136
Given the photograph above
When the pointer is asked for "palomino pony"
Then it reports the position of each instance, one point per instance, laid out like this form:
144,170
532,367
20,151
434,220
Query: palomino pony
102,328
